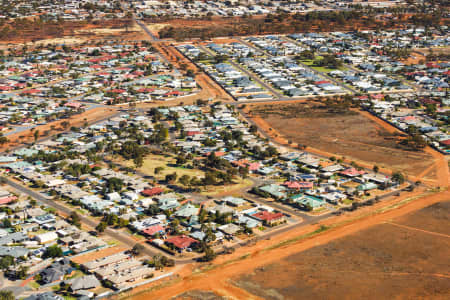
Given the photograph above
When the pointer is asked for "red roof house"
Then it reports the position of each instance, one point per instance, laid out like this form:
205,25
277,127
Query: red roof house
152,230
193,132
7,200
31,91
299,185
269,218
181,242
118,91
75,105
152,192
352,172
445,142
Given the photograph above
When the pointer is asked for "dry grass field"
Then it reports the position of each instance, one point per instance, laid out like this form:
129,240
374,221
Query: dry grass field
403,259
349,134
198,295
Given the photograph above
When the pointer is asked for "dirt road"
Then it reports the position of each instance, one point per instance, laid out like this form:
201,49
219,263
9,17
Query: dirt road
249,258
52,128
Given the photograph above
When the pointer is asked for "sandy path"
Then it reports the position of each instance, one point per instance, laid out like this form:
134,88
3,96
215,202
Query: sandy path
209,88
421,230
89,116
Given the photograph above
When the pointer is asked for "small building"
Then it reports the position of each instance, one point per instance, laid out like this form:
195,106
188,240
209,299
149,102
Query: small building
274,190
152,191
152,230
83,283
47,237
181,242
269,218
308,201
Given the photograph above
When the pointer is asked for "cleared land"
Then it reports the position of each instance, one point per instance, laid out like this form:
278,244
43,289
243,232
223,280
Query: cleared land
97,254
344,133
207,28
384,262
90,116
199,295
227,190
216,276
35,32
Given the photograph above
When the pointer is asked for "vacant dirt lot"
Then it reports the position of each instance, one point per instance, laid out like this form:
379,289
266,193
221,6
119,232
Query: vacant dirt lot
198,295
98,254
387,261
89,116
31,32
349,134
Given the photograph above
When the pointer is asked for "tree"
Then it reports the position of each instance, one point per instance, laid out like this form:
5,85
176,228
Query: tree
22,273
170,178
376,168
65,124
33,202
114,184
137,249
6,262
75,219
6,223
398,177
138,161
209,254
185,180
122,223
174,225
7,295
39,184
210,178
190,73
101,226
111,219
36,135
181,160
159,261
52,252
3,139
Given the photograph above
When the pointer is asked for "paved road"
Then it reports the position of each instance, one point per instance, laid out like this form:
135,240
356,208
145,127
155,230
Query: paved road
115,234
277,94
145,28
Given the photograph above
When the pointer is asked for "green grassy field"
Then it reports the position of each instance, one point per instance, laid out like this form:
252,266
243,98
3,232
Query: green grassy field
310,63
168,164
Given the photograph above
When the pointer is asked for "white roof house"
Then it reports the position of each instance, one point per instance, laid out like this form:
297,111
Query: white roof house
47,237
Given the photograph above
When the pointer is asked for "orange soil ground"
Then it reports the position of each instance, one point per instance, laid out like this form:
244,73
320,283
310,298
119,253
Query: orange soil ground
217,279
285,25
406,258
98,254
89,116
418,165
72,29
